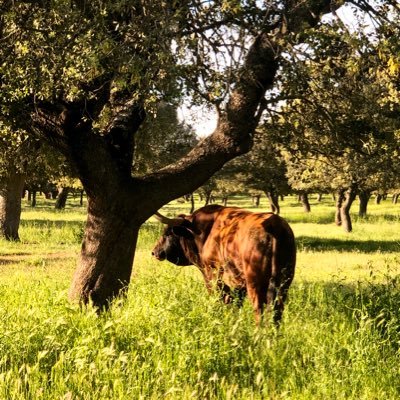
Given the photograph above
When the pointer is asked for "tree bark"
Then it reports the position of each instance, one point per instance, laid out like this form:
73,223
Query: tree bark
378,199
350,196
62,198
10,204
304,200
364,196
192,204
339,202
107,254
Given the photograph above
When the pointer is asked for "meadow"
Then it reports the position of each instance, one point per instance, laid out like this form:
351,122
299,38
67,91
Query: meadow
170,339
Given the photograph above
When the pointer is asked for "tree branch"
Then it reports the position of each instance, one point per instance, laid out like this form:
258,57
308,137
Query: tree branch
120,134
233,135
237,123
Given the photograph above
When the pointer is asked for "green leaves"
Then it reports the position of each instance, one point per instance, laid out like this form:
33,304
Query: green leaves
337,126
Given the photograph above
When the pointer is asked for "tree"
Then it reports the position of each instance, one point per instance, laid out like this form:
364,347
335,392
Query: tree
83,76
338,133
264,169
14,149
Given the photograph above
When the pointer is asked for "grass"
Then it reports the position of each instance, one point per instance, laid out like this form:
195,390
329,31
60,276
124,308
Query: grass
340,338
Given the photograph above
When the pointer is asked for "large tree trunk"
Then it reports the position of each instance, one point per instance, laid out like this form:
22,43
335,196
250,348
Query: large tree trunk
350,196
107,254
10,204
364,196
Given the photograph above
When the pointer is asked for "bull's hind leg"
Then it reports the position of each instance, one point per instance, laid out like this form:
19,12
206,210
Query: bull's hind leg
274,299
277,293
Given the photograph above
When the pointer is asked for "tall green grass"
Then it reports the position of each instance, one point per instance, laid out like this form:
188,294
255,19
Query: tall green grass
340,336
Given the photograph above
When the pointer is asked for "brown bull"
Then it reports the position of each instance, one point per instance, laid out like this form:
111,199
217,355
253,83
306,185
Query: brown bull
243,252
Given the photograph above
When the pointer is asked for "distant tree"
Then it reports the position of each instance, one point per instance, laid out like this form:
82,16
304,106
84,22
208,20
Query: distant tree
338,133
14,150
66,184
264,169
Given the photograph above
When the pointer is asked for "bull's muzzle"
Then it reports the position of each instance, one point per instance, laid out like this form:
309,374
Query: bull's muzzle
159,255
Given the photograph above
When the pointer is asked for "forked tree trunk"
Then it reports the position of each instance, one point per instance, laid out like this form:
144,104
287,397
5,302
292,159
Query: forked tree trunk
350,196
10,205
107,254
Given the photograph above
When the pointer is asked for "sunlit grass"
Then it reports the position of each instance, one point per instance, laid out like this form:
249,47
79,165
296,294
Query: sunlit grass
340,336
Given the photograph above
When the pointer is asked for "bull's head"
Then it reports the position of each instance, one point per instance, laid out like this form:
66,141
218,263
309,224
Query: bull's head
173,244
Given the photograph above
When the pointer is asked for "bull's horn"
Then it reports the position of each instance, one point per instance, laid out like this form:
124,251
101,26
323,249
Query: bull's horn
167,221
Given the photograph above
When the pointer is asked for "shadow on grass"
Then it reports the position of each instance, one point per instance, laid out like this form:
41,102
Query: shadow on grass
45,223
7,261
367,246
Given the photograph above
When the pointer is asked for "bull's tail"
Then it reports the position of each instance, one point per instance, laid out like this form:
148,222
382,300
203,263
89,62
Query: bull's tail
283,262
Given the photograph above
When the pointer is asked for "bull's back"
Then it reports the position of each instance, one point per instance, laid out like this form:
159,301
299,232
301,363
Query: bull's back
242,237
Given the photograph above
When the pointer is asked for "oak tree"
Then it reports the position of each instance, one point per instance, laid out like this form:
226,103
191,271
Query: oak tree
83,75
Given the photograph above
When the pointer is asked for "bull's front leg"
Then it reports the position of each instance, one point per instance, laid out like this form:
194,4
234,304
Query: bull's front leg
224,290
213,280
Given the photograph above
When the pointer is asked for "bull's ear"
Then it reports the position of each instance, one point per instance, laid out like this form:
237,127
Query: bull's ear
183,231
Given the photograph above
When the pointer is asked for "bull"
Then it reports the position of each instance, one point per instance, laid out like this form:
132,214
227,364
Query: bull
241,251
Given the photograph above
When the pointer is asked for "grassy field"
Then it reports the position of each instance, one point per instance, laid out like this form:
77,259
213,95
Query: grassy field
340,337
